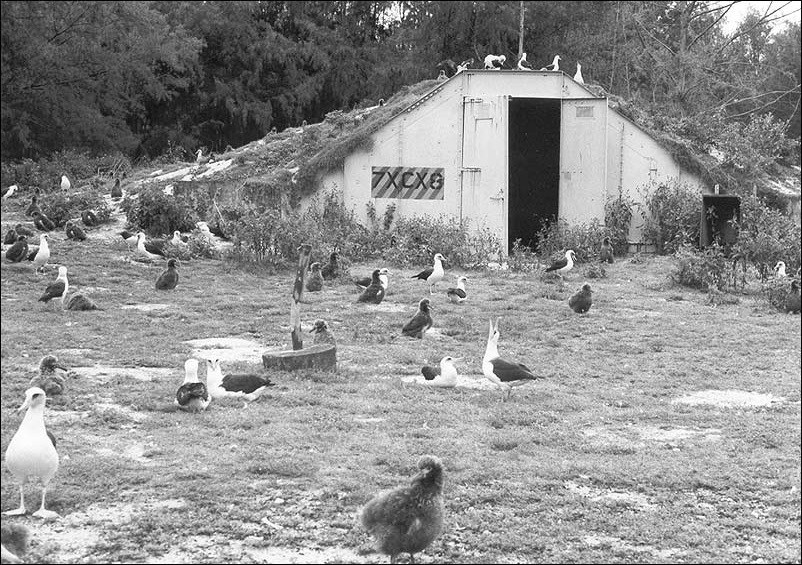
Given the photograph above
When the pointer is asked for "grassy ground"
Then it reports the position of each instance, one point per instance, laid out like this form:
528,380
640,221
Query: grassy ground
598,462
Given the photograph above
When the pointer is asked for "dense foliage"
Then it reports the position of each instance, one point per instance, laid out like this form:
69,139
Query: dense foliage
143,78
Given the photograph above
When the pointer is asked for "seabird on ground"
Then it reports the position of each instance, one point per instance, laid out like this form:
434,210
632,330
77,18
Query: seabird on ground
57,289
192,395
315,281
22,229
384,279
779,270
554,66
169,277
89,218
563,264
429,372
81,302
146,249
130,237
447,375
374,293
116,190
42,222
332,269
19,251
433,275
65,183
465,65
33,206
322,333
178,240
249,386
48,379
495,62
14,542
578,74
420,322
32,452
408,519
606,251
523,64
11,237
74,231
503,372
458,295
582,300
42,254
9,190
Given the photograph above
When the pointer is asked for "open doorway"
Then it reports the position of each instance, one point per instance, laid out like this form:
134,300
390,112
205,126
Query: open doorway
534,167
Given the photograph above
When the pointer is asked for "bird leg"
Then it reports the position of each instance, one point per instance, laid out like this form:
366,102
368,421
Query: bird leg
21,510
42,512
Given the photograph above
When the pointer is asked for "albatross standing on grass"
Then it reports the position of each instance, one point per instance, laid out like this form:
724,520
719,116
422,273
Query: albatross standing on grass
420,322
32,452
249,386
57,289
192,395
433,274
502,372
42,254
563,264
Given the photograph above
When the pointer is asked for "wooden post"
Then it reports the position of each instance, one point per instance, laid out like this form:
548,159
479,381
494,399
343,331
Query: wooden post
304,255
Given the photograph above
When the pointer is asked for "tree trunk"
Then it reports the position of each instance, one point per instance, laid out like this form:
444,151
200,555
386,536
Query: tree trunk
521,32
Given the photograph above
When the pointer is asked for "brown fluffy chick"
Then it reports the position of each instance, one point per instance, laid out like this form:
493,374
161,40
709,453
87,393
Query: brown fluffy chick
408,519
14,542
582,300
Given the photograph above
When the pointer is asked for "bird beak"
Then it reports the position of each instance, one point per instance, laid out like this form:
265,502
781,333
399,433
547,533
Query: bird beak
60,366
312,330
455,359
24,406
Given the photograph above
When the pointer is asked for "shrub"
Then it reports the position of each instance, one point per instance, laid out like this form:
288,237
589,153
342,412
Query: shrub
557,237
617,219
156,213
522,258
45,174
61,207
672,216
703,270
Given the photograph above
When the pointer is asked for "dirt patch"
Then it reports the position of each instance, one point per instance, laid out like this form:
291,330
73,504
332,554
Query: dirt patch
619,545
729,398
633,500
678,434
146,374
463,381
229,349
389,307
145,307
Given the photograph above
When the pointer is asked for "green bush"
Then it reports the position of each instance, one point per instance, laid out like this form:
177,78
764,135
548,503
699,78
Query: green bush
61,207
522,258
80,168
617,219
776,291
585,239
672,215
156,213
705,269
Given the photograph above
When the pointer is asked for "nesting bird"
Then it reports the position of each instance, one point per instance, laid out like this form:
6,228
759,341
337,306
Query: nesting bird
374,292
434,274
22,229
409,518
249,386
446,377
147,250
384,279
178,240
116,190
420,322
322,333
32,452
33,206
495,62
42,222
606,251
9,190
779,269
332,269
578,74
48,379
81,302
57,289
582,299
74,231
89,218
192,395
315,281
18,251
130,237
11,237
554,66
458,295
168,279
563,264
503,372
65,183
42,254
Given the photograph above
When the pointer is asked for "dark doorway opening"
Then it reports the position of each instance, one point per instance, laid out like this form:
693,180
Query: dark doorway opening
534,167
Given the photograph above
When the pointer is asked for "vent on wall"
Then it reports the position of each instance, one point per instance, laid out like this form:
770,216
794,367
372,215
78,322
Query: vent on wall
584,111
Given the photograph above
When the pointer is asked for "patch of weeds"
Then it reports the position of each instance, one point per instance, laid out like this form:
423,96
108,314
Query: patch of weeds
503,445
595,271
